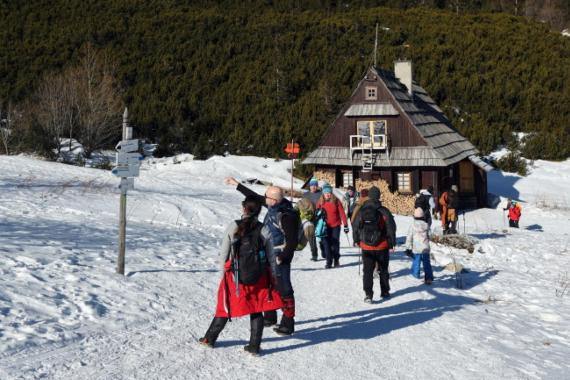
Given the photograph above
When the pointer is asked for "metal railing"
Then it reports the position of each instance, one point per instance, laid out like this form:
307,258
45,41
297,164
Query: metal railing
359,142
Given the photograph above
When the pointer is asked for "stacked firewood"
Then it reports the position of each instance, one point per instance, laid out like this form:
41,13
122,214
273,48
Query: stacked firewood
397,203
327,176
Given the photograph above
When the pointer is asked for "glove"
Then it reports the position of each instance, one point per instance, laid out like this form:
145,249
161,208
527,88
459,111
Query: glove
346,229
409,253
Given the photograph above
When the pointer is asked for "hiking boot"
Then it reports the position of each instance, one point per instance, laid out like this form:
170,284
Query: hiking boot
251,349
385,295
216,327
336,263
368,299
286,327
269,318
314,258
281,330
205,342
256,331
428,281
327,266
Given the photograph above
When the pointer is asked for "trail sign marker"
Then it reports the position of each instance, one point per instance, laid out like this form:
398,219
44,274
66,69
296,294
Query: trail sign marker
126,146
126,170
292,149
128,158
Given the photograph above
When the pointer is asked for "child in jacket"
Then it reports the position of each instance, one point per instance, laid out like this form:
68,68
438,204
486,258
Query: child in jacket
417,246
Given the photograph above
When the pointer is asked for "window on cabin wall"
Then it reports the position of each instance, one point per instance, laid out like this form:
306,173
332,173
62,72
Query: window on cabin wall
404,182
371,93
372,132
347,179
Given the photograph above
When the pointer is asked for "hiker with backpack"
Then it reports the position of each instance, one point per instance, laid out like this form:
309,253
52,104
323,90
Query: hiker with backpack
449,202
350,201
335,217
374,229
361,200
283,223
306,215
313,195
424,200
514,209
246,287
417,246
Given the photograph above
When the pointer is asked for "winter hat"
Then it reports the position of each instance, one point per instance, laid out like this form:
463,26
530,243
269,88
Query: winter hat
418,213
364,193
430,189
327,188
454,188
374,193
350,188
314,182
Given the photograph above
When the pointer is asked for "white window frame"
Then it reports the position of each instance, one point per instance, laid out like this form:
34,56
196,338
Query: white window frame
347,179
371,93
404,181
370,139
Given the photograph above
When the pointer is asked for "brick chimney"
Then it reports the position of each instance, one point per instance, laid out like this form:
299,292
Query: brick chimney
403,71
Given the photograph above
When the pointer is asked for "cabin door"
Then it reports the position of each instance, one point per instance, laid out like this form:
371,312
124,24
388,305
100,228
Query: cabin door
466,177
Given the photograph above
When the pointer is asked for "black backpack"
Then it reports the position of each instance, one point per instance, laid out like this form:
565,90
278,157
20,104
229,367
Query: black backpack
422,201
372,226
249,260
452,199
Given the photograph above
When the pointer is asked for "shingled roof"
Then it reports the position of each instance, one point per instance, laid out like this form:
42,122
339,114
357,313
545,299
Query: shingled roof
445,146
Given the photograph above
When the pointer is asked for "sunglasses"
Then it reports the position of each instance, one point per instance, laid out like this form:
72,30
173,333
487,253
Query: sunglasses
268,197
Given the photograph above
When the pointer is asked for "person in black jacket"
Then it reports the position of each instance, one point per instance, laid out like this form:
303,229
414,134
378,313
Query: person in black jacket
283,223
375,254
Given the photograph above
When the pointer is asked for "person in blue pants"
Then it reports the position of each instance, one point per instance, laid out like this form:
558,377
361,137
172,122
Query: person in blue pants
417,247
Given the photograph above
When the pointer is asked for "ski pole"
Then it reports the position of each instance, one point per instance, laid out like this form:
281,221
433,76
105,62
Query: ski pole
463,222
347,239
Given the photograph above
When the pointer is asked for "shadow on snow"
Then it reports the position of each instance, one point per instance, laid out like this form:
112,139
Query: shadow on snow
374,322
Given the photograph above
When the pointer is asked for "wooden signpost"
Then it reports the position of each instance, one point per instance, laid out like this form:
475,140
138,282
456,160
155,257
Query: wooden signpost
127,167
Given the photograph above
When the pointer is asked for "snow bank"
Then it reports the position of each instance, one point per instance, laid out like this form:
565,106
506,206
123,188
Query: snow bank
64,313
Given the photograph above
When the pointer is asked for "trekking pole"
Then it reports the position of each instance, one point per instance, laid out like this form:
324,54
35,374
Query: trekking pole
463,222
347,239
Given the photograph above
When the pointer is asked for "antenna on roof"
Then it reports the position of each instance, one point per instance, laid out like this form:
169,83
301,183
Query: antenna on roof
375,45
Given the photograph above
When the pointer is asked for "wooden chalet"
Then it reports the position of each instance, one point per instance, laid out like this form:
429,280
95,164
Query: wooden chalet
393,135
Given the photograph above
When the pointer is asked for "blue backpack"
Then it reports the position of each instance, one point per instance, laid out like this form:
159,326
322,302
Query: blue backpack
320,223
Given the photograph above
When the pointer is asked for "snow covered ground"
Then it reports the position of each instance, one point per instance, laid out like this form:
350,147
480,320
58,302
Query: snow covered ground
65,314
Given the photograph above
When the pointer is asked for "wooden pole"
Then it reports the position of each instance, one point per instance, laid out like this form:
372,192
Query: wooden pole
122,228
127,134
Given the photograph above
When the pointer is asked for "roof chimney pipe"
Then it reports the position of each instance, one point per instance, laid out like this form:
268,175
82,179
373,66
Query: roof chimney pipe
403,71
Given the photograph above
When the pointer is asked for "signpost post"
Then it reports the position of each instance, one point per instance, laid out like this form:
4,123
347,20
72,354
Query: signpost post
292,151
128,164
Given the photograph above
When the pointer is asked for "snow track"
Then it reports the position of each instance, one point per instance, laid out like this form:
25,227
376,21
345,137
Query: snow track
65,314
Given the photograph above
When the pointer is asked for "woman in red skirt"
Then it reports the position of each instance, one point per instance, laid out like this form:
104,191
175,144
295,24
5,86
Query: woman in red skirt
247,286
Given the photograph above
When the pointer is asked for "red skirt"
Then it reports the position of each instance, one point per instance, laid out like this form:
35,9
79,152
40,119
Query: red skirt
254,298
